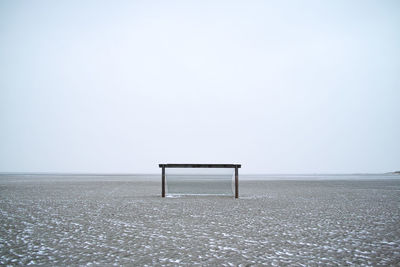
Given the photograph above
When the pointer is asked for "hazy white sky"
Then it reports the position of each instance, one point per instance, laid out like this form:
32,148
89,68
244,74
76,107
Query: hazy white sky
278,86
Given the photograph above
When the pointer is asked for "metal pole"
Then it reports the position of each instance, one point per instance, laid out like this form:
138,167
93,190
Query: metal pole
236,182
163,182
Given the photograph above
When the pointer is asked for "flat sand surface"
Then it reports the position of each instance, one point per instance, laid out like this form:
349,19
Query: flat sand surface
124,221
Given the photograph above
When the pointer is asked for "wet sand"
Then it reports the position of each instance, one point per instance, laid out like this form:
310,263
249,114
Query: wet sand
124,221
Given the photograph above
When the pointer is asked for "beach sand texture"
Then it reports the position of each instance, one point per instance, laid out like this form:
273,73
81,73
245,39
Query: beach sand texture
124,221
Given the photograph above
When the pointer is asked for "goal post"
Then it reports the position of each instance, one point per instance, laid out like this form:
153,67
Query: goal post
200,179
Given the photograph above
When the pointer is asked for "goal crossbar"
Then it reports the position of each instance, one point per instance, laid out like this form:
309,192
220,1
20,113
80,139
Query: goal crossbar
211,166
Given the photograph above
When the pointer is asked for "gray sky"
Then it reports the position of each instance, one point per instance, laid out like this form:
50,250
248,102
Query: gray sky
279,86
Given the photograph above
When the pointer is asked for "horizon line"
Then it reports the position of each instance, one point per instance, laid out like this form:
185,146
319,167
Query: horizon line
151,173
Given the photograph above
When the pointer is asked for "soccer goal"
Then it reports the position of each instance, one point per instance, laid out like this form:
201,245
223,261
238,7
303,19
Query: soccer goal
200,179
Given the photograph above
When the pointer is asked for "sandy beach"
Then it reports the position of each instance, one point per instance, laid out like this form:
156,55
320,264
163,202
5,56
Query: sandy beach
124,221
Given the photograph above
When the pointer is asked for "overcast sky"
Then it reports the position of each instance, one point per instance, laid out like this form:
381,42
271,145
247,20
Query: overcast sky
278,86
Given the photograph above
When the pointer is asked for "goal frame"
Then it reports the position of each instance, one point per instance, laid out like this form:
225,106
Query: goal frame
210,166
